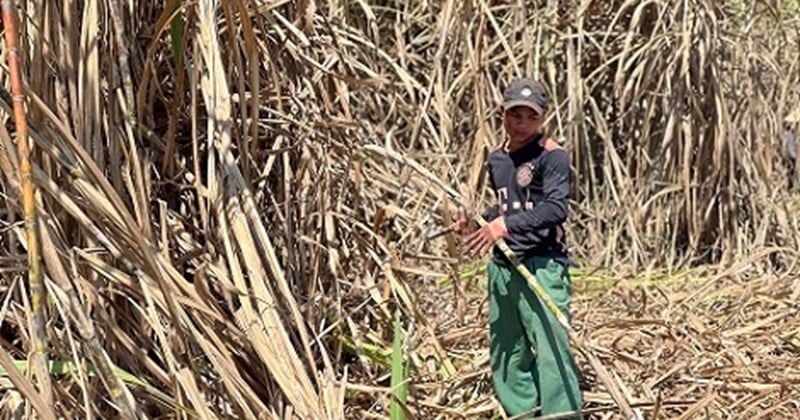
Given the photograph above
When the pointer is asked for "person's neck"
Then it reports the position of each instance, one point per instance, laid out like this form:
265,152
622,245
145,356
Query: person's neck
513,146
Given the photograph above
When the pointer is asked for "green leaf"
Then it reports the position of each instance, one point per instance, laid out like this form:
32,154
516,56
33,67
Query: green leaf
399,384
176,33
58,367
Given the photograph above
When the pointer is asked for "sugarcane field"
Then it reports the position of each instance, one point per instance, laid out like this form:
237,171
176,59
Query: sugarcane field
328,209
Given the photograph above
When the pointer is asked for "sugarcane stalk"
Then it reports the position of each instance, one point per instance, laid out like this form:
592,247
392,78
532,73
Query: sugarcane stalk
127,107
124,66
116,388
36,286
602,373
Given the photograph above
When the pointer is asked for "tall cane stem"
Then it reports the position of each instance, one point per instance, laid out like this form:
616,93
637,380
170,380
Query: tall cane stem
39,357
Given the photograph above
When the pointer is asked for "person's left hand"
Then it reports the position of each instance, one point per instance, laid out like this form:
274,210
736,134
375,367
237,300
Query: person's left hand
483,239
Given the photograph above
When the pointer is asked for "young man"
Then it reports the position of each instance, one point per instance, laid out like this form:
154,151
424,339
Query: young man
531,361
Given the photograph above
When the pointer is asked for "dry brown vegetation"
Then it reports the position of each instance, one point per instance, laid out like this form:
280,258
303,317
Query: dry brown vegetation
216,243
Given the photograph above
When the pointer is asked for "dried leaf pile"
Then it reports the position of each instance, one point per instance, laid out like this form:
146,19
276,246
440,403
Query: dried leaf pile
710,342
722,345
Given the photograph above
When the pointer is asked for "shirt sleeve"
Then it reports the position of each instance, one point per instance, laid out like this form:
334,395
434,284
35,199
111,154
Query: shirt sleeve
494,210
552,211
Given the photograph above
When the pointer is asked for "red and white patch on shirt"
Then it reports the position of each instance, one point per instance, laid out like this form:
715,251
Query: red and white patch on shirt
525,175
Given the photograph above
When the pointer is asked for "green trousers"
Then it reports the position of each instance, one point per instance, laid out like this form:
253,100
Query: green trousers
532,364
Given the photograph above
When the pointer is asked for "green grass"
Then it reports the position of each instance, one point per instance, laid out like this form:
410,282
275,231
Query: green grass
176,33
61,368
586,280
399,372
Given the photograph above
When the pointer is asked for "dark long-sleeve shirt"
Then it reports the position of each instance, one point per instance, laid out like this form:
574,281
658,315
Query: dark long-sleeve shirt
531,187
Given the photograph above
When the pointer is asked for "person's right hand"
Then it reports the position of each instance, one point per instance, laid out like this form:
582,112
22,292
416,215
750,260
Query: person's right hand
462,223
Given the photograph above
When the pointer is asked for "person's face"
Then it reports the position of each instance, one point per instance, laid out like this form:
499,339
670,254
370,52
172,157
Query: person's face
522,123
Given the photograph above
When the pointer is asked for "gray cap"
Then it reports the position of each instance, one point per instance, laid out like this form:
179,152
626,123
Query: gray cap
526,92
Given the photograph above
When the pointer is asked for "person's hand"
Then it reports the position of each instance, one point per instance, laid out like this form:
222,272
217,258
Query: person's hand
483,239
462,223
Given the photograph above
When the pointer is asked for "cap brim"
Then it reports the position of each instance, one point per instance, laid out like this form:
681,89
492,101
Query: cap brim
511,104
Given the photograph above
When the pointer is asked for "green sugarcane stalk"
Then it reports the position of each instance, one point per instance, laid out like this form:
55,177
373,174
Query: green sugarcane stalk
602,372
35,279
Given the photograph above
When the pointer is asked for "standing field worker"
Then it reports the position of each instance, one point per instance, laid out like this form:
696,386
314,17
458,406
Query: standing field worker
531,360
